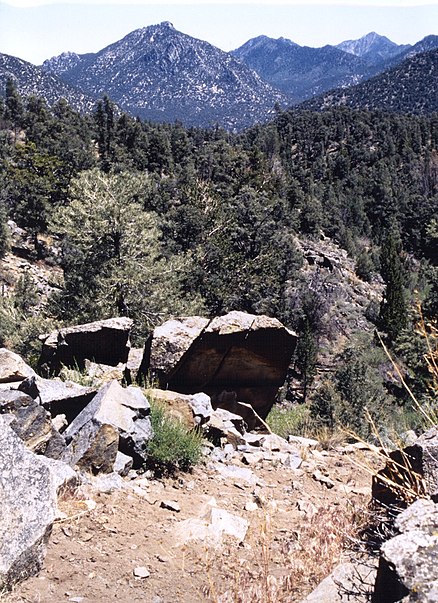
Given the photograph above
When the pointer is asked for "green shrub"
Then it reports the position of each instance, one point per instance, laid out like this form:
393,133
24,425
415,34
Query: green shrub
289,421
173,447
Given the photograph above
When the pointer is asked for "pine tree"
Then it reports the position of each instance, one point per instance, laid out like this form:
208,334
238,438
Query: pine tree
393,309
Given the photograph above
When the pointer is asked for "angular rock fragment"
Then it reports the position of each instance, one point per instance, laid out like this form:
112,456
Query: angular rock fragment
32,423
59,397
12,367
408,569
103,342
116,417
28,507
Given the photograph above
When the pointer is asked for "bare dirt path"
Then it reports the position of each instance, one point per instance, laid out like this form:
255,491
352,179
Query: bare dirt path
93,555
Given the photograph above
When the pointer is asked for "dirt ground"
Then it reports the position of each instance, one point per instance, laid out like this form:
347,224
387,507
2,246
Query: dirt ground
94,554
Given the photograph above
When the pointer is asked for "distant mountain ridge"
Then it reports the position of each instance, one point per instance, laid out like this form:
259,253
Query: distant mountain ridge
161,74
32,80
302,72
410,87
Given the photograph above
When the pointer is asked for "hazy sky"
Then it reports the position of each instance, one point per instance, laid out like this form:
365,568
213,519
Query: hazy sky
35,30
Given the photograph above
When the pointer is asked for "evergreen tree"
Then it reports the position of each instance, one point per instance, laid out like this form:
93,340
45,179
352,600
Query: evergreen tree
393,308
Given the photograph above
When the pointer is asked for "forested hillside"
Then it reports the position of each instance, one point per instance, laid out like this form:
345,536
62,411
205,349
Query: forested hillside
151,221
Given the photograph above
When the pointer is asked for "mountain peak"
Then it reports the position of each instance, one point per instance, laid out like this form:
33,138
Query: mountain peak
372,47
160,73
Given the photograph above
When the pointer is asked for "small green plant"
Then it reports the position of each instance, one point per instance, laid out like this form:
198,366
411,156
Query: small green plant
289,421
173,447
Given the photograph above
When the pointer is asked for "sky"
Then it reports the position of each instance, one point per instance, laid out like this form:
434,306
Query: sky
35,30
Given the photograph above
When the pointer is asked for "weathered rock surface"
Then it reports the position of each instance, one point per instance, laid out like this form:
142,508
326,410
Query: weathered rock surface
28,507
347,583
238,357
103,342
12,367
191,410
408,567
102,373
32,423
225,426
93,437
59,397
213,524
415,467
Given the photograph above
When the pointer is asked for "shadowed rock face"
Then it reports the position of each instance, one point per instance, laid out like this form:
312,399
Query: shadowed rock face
236,357
103,341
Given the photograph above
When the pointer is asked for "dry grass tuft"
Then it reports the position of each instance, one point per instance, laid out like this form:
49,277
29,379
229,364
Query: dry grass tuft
286,571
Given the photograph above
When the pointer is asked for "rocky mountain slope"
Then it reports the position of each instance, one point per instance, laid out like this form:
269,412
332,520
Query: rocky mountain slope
32,80
162,74
411,87
372,47
301,71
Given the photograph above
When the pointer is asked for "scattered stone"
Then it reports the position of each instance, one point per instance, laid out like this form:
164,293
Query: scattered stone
303,442
13,368
236,473
210,528
229,524
103,342
323,479
251,506
28,508
108,483
253,458
141,572
170,505
123,464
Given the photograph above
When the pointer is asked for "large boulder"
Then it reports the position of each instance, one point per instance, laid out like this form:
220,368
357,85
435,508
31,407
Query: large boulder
408,567
12,367
238,357
410,472
116,418
32,423
103,342
59,397
28,506
191,410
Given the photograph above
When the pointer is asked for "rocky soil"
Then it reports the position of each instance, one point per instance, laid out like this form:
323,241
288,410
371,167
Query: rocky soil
129,539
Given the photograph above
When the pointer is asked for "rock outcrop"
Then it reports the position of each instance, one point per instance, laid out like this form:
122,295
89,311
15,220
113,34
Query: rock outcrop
238,357
28,506
408,569
103,342
413,470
